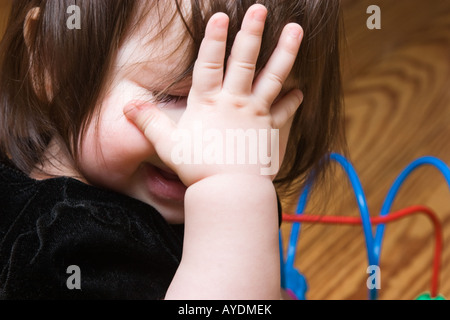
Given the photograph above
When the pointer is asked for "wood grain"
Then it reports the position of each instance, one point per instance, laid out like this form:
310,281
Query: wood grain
397,99
5,6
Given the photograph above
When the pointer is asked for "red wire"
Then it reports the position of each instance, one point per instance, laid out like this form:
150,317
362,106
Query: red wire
385,219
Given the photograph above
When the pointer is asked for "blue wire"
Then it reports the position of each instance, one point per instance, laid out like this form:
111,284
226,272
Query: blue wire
282,265
373,243
364,212
362,204
363,208
439,164
295,229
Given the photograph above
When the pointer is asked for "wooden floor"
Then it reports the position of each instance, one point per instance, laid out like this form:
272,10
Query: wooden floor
4,10
397,95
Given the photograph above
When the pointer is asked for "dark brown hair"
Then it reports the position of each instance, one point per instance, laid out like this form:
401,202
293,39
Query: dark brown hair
75,64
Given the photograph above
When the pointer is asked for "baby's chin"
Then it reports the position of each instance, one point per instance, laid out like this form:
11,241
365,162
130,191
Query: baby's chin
173,213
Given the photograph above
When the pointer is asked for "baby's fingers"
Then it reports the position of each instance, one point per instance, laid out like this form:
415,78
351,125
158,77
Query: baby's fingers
284,109
244,55
270,82
209,67
155,125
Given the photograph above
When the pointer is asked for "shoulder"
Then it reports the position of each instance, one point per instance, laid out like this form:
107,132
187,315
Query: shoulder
27,201
50,225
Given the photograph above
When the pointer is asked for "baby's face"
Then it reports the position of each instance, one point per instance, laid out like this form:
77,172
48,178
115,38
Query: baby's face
115,154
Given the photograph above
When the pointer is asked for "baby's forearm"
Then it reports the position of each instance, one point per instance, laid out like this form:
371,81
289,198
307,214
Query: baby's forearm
231,240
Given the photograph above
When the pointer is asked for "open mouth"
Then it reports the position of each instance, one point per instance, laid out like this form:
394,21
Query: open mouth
168,174
164,184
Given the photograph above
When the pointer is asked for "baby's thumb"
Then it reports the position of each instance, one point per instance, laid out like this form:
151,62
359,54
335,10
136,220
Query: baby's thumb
155,125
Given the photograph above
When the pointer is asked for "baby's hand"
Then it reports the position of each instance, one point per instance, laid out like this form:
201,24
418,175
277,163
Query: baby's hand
225,109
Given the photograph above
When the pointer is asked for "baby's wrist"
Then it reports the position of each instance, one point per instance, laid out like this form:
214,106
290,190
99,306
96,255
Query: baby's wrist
242,191
236,180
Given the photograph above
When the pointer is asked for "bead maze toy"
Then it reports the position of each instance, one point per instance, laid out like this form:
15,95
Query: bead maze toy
295,283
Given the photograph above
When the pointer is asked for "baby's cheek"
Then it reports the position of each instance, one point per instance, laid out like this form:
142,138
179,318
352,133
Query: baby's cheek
126,147
113,152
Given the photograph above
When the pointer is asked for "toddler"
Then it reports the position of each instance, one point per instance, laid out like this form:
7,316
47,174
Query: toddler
101,163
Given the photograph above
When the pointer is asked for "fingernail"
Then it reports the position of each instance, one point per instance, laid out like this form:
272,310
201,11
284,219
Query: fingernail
295,32
132,109
260,15
129,108
221,22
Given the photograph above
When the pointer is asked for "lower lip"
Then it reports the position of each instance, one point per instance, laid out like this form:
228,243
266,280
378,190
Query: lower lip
162,187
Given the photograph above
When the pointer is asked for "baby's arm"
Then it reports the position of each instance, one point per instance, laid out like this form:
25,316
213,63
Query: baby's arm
231,248
231,219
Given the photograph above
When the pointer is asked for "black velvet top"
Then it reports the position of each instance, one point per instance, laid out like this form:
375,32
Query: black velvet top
124,248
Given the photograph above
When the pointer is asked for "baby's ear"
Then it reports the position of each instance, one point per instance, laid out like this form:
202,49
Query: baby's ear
29,27
43,89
